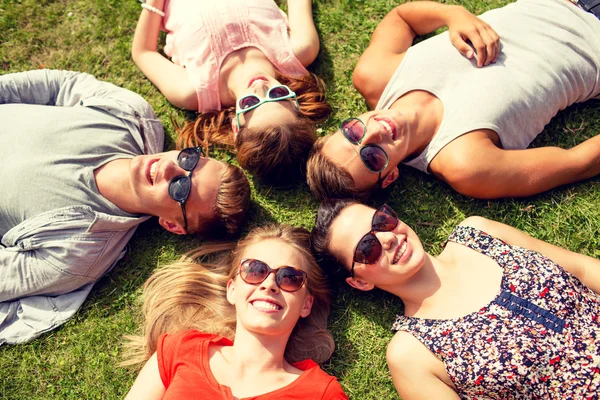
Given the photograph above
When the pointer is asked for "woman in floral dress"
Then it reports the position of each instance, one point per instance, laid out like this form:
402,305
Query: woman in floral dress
497,315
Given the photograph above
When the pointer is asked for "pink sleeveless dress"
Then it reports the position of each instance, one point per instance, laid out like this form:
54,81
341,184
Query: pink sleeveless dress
200,34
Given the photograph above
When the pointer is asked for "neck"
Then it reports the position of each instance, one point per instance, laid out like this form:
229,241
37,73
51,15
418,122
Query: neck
112,180
238,68
420,287
424,113
255,354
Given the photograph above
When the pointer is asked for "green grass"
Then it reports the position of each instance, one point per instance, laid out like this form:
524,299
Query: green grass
78,360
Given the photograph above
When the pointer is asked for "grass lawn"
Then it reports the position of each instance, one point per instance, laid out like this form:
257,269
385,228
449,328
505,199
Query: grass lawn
78,360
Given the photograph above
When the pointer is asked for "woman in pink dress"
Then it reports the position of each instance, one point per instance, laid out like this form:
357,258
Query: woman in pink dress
241,64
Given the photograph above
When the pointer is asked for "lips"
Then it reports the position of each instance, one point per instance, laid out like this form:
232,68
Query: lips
401,252
257,78
151,171
389,126
266,305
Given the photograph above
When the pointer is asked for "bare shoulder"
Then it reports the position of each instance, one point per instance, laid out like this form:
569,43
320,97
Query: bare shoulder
407,354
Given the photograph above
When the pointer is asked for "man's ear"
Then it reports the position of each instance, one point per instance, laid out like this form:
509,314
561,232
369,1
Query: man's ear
359,284
390,177
308,302
171,226
230,292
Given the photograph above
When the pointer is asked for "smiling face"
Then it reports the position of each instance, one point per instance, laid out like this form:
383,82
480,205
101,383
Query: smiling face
387,129
267,114
150,176
264,308
402,253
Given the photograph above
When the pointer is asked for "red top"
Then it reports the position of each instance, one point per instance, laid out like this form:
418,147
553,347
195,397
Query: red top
183,364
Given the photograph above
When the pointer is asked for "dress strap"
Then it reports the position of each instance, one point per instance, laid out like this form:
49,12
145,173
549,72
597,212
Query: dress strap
473,238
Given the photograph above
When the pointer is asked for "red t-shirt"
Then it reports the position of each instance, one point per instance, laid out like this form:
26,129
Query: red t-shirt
184,368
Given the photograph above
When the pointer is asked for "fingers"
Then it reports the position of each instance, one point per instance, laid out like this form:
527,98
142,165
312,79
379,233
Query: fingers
462,46
486,43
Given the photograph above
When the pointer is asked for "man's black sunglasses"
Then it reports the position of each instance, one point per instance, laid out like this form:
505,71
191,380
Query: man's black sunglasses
181,185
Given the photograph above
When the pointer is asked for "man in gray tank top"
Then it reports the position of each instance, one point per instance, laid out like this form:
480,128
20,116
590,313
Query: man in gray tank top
80,168
464,105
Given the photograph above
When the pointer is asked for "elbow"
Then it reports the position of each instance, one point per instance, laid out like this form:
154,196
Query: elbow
466,180
362,79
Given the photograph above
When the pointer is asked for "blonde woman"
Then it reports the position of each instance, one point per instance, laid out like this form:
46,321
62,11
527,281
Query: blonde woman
242,65
252,324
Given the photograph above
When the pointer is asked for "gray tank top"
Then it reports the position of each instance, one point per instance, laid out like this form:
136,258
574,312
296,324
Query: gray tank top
550,59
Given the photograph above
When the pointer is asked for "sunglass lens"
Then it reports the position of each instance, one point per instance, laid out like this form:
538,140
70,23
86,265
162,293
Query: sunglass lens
188,158
179,188
374,158
385,219
353,129
254,271
368,250
290,279
248,101
278,92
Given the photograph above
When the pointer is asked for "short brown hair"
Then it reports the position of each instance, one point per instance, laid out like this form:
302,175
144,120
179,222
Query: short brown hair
231,205
259,150
328,180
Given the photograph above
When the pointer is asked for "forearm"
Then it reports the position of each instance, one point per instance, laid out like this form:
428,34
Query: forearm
424,17
303,33
33,87
145,38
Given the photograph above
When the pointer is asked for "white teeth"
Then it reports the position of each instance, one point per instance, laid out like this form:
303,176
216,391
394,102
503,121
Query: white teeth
153,171
400,252
387,126
265,305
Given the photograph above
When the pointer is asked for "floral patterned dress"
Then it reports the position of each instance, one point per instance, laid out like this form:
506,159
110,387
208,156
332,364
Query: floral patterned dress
538,339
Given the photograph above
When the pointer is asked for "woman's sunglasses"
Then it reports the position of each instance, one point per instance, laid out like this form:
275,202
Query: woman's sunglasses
252,101
181,185
287,278
369,248
373,156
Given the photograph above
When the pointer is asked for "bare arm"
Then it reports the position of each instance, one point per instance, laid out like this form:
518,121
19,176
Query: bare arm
416,372
586,269
148,385
396,32
474,166
169,78
303,34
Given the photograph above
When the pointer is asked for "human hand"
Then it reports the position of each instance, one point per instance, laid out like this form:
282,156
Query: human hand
464,26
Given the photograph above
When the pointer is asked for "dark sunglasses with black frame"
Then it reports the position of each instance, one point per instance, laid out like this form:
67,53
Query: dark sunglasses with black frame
287,278
368,250
181,185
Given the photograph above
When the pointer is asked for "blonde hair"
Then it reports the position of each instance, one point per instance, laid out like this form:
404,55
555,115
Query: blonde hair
276,153
328,180
192,295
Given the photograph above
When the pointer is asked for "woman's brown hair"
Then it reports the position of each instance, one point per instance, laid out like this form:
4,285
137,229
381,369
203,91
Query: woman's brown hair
327,180
191,294
275,154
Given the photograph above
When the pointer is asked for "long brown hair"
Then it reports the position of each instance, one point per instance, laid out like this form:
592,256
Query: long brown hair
328,180
192,295
275,154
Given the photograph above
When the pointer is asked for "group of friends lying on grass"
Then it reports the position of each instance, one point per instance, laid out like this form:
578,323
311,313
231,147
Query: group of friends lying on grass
497,314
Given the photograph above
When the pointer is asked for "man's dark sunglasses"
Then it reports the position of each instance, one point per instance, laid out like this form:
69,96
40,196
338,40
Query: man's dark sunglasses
369,248
287,278
181,185
373,156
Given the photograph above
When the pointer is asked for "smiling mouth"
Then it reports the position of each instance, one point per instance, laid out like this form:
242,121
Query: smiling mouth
257,78
400,252
151,171
388,125
262,305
